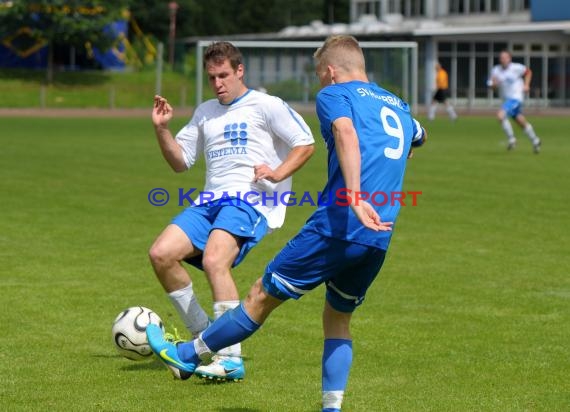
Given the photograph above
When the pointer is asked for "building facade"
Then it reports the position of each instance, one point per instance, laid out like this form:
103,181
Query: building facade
466,36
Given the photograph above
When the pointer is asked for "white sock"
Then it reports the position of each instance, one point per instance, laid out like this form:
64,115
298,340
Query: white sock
192,314
220,308
508,128
530,133
451,112
202,350
431,111
332,399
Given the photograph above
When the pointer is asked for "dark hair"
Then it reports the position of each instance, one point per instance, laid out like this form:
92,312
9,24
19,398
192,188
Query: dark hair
220,51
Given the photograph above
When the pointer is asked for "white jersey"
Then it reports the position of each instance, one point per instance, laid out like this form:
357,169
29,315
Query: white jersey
510,80
255,129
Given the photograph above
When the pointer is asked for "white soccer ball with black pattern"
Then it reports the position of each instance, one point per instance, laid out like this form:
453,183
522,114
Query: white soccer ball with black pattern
129,332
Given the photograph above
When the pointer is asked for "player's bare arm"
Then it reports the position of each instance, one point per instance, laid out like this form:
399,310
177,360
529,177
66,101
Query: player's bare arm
348,152
527,79
162,113
296,158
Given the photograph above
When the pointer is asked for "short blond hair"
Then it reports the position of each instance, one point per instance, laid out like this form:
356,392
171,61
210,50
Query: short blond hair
342,51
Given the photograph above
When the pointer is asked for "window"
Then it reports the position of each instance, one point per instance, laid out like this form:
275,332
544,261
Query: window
463,47
556,78
518,47
445,47
456,7
536,91
482,47
481,76
554,47
499,47
412,8
367,7
476,6
394,6
519,5
566,67
463,77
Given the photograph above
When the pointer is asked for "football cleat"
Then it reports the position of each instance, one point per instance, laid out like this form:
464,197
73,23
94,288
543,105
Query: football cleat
222,368
173,337
167,353
536,147
511,145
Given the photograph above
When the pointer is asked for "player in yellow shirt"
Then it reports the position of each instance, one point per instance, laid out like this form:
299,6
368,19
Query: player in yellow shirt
441,94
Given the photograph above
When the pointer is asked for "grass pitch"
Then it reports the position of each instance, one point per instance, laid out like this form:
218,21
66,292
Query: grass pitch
470,313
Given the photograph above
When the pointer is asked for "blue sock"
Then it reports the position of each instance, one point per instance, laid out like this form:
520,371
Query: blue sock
336,362
187,353
232,327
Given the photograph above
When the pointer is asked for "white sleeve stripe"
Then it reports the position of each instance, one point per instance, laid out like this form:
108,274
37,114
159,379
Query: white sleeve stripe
419,131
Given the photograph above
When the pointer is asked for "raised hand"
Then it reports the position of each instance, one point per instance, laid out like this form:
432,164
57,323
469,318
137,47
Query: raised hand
161,112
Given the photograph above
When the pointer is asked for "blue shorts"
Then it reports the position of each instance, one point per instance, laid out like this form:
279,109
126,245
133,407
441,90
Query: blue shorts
512,107
310,259
240,220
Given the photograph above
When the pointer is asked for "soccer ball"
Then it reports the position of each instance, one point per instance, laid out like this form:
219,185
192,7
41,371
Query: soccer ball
129,332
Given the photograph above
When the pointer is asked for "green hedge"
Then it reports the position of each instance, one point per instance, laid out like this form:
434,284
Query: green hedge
26,89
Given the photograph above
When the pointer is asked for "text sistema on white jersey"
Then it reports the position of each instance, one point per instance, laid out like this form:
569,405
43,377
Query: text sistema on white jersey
510,80
254,129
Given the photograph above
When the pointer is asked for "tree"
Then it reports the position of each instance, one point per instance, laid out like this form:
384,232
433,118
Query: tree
227,17
63,23
335,11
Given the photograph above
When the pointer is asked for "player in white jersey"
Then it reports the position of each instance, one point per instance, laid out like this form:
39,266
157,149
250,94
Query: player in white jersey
513,81
252,143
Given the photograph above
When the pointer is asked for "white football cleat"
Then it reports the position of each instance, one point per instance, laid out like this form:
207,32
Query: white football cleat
536,146
222,368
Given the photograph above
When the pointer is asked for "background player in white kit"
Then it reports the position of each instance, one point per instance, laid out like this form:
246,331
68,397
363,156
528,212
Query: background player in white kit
513,81
252,142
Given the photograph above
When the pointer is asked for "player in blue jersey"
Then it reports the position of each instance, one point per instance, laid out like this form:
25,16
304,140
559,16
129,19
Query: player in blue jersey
368,132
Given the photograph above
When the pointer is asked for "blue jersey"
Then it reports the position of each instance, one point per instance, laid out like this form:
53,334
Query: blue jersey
385,130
